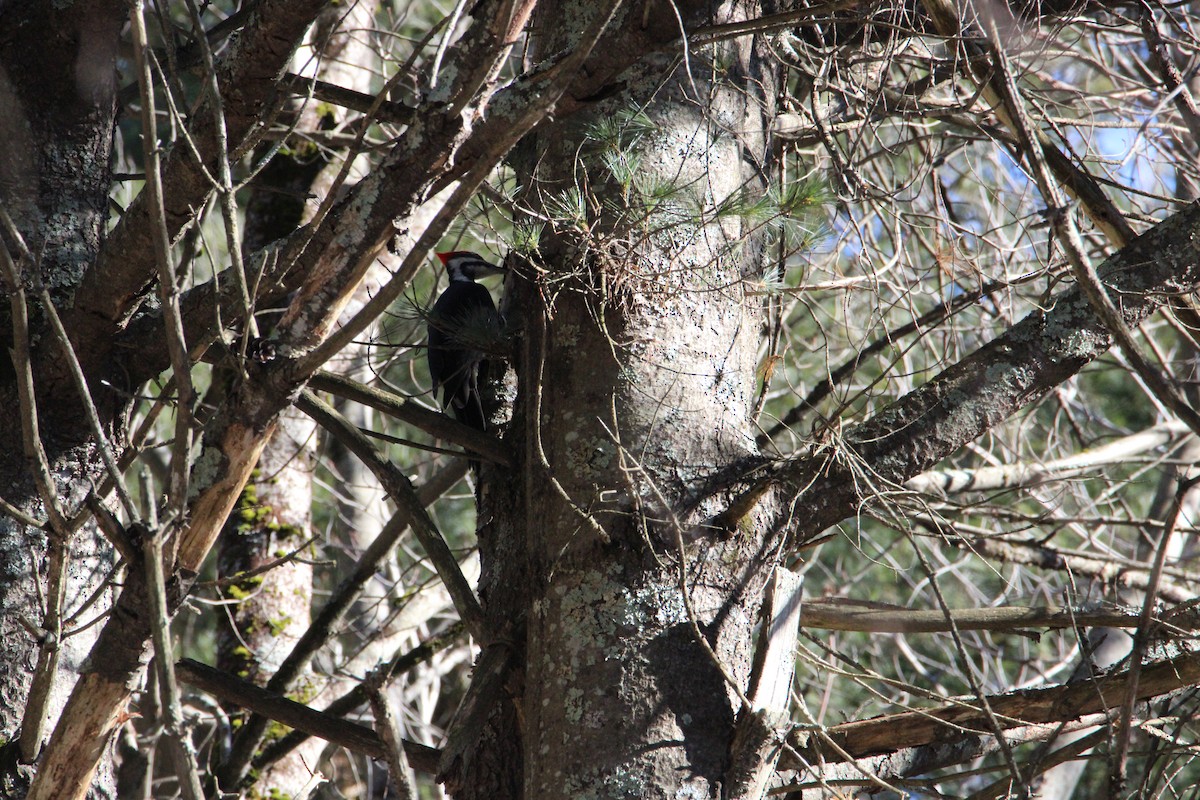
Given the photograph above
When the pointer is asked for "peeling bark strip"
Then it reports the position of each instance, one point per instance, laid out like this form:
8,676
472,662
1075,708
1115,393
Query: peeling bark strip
232,462
997,380
762,730
108,710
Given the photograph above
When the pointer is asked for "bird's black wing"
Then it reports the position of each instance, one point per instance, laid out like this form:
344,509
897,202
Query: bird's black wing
464,308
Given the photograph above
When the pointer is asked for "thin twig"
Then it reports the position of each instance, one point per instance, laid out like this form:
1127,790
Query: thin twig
1141,637
168,288
164,659
225,187
350,735
401,490
357,697
454,17
19,515
26,395
89,408
325,622
1063,224
1173,80
968,666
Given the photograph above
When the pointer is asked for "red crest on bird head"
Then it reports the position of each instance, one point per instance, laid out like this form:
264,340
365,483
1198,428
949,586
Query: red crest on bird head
464,265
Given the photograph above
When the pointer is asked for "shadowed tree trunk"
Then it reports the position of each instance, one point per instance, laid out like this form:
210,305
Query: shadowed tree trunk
57,89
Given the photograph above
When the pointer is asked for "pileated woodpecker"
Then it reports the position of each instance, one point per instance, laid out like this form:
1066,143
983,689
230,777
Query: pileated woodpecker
463,312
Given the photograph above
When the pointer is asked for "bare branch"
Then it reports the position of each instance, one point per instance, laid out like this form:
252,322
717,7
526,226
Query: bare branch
401,490
357,696
1072,243
322,627
852,615
351,735
391,735
436,424
1081,185
998,379
115,286
1141,638
1031,706
1011,476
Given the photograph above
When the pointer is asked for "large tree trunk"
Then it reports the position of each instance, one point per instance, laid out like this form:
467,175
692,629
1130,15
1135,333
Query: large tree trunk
57,78
637,377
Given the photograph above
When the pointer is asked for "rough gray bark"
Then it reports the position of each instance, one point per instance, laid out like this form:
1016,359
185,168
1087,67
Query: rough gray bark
637,374
57,86
57,79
